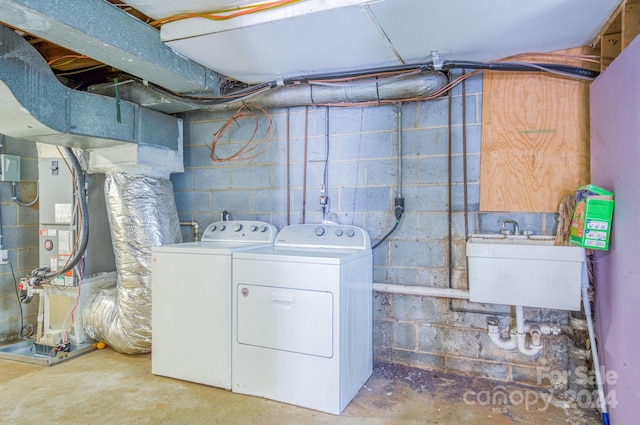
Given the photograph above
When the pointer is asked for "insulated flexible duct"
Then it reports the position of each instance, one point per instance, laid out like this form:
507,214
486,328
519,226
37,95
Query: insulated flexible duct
414,85
142,214
370,90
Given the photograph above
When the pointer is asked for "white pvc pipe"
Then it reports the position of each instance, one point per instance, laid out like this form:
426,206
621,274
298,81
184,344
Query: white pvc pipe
423,291
521,335
516,341
527,351
592,340
520,319
507,344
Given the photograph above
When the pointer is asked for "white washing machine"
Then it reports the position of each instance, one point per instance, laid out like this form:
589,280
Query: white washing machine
191,302
302,322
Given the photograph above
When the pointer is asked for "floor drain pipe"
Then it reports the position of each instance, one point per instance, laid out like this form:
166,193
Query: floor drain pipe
592,339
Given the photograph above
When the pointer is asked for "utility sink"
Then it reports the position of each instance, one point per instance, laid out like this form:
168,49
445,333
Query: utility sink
524,270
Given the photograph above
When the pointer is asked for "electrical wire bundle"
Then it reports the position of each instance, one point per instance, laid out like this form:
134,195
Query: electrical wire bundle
253,147
515,63
224,14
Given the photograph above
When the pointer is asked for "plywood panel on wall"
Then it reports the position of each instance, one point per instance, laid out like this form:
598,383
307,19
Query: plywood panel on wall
535,140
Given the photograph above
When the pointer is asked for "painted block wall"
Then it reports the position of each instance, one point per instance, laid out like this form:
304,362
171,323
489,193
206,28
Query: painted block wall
363,174
19,236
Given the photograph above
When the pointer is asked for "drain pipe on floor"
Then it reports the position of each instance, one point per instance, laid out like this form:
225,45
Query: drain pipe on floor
592,339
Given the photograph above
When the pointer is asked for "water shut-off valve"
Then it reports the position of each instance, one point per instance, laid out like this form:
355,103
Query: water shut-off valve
25,290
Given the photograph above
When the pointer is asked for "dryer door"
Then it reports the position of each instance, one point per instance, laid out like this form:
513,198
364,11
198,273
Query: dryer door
294,320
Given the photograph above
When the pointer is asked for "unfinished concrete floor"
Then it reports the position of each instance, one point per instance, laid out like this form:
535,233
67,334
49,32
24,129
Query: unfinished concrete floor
106,387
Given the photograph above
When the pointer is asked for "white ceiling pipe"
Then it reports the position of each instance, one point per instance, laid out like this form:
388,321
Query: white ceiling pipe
422,291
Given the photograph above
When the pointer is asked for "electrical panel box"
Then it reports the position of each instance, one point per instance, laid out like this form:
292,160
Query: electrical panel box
9,168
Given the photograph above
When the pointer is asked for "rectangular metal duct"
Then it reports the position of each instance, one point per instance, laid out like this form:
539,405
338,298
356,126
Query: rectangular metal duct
101,31
34,105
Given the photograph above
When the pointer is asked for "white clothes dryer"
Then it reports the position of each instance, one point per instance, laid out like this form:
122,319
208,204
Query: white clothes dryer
191,302
302,324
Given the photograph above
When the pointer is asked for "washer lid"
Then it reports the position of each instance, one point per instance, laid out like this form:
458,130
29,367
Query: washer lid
210,248
302,255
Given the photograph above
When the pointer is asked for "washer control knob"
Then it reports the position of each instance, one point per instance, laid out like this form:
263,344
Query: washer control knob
222,227
237,227
263,228
253,227
319,231
351,233
339,232
213,227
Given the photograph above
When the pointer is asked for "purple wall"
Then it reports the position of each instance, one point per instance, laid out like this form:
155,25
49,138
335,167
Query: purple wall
615,165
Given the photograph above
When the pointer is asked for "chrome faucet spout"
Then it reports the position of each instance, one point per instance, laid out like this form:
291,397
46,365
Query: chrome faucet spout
516,228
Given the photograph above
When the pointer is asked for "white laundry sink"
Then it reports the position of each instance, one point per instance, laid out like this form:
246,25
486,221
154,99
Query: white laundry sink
524,270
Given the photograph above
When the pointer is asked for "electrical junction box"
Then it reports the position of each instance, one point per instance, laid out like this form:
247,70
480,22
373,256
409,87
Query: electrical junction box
9,168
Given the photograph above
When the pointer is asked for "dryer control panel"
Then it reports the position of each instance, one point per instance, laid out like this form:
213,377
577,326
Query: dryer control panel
239,231
324,236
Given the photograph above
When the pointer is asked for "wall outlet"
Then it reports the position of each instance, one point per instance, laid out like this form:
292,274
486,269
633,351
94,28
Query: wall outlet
4,256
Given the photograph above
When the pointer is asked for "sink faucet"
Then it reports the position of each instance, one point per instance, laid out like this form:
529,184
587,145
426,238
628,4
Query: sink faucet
516,229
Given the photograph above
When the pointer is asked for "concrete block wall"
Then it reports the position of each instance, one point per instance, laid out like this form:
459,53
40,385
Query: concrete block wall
362,161
19,229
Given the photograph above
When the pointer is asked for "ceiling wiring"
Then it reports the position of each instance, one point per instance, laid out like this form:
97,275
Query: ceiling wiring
596,59
225,14
82,70
388,74
71,58
559,72
253,147
381,75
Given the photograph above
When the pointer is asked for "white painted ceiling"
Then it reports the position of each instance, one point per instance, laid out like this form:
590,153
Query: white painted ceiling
323,36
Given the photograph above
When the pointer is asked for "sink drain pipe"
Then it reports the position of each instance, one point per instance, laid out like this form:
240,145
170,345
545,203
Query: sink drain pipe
519,338
592,339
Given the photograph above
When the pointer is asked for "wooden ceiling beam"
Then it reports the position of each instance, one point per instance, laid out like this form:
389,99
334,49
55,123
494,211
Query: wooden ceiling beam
620,29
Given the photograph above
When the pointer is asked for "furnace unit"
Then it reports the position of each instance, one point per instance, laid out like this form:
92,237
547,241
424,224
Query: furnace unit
62,296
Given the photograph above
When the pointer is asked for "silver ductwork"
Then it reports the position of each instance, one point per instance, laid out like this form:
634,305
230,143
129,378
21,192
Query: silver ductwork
142,214
418,85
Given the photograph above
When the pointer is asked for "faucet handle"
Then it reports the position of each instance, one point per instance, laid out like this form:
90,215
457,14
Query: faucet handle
527,232
505,232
